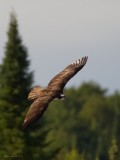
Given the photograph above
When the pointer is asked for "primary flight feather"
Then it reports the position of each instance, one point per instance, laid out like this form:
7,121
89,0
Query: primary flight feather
42,97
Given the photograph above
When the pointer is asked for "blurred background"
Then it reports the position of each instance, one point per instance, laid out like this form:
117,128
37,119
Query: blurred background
38,39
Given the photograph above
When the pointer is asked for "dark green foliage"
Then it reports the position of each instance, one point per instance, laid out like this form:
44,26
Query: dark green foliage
37,147
15,82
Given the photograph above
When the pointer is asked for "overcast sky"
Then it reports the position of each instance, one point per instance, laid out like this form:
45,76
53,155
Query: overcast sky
58,32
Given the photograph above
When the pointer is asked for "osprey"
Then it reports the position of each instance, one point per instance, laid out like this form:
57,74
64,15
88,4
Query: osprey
42,97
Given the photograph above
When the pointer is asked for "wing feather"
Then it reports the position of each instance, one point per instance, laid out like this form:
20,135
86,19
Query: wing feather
35,111
60,80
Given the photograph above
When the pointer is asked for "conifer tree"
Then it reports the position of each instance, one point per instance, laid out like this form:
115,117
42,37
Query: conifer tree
15,82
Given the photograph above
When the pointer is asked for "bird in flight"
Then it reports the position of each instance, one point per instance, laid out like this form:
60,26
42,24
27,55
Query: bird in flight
42,97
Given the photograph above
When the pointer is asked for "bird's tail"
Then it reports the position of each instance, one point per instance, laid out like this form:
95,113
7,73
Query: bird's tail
34,93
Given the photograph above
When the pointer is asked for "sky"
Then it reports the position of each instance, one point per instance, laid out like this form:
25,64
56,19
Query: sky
59,32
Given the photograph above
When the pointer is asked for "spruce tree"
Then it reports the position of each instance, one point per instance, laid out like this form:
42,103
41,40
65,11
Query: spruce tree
15,83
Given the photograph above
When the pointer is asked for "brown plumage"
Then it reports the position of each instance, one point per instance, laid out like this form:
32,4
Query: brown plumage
42,97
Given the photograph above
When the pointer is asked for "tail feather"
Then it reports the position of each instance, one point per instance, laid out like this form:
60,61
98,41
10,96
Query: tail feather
34,93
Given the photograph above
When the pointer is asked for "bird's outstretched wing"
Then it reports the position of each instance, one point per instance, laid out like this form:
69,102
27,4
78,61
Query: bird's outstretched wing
36,110
60,80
